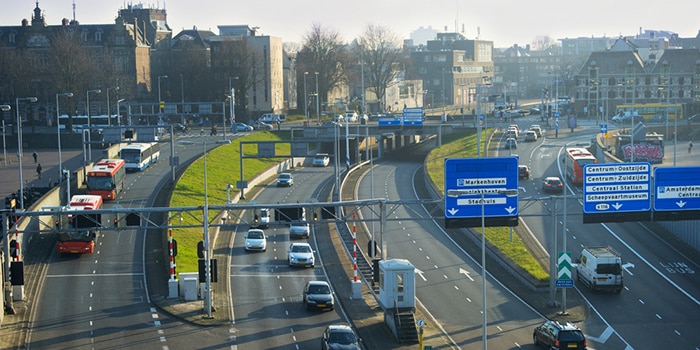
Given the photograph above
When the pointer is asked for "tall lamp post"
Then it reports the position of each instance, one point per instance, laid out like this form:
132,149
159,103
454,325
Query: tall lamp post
109,111
306,103
318,108
58,134
19,147
87,107
4,108
160,110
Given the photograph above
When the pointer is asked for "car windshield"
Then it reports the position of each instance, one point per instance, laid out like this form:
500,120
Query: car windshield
255,235
570,336
301,249
342,338
319,289
285,176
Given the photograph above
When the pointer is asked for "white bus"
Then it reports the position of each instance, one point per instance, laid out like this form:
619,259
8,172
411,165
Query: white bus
139,156
81,121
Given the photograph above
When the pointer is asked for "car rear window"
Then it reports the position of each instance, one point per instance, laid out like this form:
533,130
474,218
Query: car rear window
571,336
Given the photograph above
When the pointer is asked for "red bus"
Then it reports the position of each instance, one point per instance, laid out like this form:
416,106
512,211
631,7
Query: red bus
576,158
107,178
77,231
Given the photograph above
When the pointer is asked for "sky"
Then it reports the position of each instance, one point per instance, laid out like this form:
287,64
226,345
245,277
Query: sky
505,22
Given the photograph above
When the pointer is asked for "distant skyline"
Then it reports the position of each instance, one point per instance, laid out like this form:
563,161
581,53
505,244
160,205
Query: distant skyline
505,22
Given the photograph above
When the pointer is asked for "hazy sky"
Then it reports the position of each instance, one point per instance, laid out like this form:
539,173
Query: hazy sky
505,22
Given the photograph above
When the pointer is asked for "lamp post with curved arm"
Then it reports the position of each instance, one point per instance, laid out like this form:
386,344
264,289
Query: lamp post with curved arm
19,147
58,134
87,106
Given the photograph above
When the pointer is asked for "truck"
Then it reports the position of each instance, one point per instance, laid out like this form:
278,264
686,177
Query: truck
600,268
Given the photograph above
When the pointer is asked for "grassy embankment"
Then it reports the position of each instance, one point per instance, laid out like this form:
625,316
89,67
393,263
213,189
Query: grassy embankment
464,146
223,168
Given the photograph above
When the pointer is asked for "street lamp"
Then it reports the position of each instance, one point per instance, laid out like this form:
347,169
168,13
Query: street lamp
306,103
19,147
498,191
119,115
159,100
109,112
58,133
318,108
87,108
232,104
4,108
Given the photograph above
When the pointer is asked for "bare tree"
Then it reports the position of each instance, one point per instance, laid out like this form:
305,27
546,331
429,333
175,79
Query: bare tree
323,51
382,57
544,43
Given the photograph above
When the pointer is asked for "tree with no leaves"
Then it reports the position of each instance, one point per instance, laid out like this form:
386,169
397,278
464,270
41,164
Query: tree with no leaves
383,57
323,51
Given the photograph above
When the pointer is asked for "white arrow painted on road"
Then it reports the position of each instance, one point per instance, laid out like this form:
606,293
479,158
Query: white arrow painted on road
453,211
627,267
680,204
466,273
617,206
420,273
510,210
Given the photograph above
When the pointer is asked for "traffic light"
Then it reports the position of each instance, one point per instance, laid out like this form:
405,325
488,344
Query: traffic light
174,248
116,222
213,270
200,249
14,248
57,223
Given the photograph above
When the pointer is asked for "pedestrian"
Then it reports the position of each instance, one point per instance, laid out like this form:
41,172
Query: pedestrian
38,171
36,156
690,147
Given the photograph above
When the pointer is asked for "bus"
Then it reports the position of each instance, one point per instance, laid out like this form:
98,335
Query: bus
652,111
139,156
575,159
81,121
106,178
77,230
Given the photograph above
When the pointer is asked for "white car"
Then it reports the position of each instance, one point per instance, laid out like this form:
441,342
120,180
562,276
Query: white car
300,254
351,117
299,229
321,159
255,240
264,218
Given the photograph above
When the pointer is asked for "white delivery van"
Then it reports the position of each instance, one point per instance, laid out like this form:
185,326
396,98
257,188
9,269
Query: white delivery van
272,118
600,268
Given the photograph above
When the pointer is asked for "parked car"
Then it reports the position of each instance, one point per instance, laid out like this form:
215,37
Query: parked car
331,124
552,184
318,294
339,336
255,240
554,335
535,111
300,254
517,113
321,159
511,143
523,172
285,180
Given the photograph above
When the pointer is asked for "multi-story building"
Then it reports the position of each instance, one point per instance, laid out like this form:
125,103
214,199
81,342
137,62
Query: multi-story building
451,68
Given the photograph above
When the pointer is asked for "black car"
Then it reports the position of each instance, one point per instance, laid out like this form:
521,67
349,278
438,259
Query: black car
523,172
552,184
554,335
339,336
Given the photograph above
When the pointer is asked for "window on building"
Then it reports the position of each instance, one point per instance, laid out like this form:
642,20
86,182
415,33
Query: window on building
98,37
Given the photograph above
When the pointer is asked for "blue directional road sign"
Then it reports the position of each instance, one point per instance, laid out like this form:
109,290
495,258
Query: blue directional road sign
603,128
394,121
616,188
677,188
413,116
473,189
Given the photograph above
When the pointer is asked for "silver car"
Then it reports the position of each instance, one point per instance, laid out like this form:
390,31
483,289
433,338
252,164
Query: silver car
300,254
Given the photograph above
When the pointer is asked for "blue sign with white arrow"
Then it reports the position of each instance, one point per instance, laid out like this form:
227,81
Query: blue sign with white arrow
476,188
616,187
677,188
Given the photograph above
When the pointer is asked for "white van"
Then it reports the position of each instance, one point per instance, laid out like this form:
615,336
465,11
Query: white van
600,268
273,118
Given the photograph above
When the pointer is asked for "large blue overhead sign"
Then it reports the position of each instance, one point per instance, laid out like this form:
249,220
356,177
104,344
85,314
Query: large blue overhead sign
676,192
473,185
616,192
413,116
389,121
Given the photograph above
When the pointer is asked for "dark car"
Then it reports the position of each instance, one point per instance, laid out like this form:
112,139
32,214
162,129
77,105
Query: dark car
554,335
523,172
318,294
552,184
339,336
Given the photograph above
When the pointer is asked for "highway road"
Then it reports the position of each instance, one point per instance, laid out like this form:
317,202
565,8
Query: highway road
101,300
660,302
